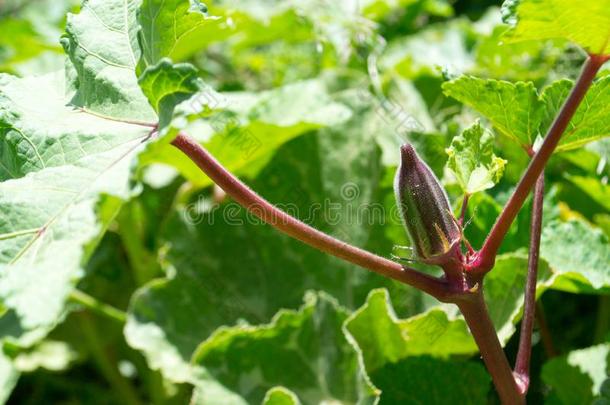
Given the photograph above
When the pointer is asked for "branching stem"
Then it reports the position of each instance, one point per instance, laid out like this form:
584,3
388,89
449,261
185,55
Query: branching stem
484,261
509,386
477,317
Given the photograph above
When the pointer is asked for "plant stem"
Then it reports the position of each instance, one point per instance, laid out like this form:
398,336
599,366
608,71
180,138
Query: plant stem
291,226
464,209
485,260
545,333
522,365
482,329
120,385
144,264
97,306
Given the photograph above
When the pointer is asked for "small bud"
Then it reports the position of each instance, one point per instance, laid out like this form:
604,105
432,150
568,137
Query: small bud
424,208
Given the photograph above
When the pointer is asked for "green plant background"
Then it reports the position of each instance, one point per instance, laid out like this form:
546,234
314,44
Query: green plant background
311,101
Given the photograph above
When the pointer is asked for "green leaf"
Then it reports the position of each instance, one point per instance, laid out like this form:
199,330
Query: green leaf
24,43
578,255
442,47
512,108
429,380
378,9
280,396
504,288
49,355
384,338
8,378
166,85
576,21
590,122
472,160
101,42
514,61
577,377
310,355
594,188
396,354
175,29
516,110
79,166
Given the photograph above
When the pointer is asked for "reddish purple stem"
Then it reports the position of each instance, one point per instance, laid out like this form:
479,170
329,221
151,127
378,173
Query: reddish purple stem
522,365
293,227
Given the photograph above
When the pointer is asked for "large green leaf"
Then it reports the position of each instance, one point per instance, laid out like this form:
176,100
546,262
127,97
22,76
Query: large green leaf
402,356
173,29
590,120
309,353
577,377
526,60
101,42
384,338
518,112
70,159
581,22
512,108
578,256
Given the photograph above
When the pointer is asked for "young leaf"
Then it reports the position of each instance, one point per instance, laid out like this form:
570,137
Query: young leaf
310,353
472,160
166,85
594,188
504,288
581,22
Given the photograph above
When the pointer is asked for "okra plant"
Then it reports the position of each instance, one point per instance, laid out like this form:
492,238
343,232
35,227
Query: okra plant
191,194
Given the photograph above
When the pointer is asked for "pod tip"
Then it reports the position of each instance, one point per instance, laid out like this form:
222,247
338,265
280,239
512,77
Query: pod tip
408,156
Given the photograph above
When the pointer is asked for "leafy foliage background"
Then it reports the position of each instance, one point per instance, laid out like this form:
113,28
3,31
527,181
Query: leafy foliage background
308,102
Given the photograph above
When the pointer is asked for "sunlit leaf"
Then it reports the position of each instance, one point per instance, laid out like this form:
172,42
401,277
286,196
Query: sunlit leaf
472,160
